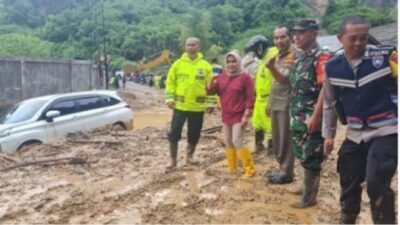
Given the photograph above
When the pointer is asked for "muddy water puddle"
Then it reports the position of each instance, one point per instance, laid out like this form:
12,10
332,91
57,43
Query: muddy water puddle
154,117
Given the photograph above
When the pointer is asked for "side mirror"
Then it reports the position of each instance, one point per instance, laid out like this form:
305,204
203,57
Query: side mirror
50,115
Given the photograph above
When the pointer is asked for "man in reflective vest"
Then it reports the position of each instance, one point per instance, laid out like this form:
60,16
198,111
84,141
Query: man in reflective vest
253,63
261,121
186,94
361,86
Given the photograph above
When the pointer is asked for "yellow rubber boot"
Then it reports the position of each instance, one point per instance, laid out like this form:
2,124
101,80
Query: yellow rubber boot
231,158
247,161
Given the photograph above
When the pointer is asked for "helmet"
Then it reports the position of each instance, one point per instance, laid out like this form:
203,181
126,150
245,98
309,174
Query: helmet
257,44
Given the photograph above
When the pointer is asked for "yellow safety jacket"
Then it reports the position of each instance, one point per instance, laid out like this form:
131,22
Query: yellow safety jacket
111,83
157,80
260,120
186,84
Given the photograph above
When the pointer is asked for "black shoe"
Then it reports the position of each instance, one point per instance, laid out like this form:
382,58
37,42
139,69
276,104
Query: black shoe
279,179
272,173
270,152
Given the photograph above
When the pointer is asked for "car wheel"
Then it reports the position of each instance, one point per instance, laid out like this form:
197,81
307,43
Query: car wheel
118,127
27,145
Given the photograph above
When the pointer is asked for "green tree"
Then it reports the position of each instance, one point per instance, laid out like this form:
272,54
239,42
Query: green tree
134,30
197,24
22,45
338,10
23,12
117,63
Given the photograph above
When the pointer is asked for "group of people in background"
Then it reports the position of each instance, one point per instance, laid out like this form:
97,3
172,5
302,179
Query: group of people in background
152,80
293,93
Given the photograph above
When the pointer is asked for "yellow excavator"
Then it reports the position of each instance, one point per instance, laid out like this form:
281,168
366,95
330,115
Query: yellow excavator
163,57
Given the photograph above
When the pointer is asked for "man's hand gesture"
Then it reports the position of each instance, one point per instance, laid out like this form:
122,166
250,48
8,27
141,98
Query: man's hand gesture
270,63
171,105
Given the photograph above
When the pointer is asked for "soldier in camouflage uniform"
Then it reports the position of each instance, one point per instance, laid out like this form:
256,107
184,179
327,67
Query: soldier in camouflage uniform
306,108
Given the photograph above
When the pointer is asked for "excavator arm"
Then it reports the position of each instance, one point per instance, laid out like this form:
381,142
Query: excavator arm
163,57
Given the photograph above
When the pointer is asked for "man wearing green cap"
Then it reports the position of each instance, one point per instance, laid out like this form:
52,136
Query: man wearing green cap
306,107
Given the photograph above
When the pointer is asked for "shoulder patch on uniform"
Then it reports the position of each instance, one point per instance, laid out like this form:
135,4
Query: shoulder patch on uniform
377,61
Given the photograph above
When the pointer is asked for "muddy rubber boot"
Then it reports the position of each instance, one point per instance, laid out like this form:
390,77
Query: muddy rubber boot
311,187
247,161
349,213
270,148
296,191
383,209
258,142
173,152
190,148
347,218
231,159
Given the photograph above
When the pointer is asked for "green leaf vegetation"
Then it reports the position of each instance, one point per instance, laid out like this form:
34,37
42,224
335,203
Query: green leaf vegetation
136,29
339,9
22,45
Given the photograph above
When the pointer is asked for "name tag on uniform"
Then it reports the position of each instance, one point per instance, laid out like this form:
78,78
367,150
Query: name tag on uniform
200,75
378,52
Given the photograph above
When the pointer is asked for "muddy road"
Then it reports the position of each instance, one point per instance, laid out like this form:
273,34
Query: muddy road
123,180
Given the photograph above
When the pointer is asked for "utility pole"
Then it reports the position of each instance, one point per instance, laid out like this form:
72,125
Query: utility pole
98,50
104,43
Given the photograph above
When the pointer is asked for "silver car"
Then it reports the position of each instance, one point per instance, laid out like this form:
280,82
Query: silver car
44,119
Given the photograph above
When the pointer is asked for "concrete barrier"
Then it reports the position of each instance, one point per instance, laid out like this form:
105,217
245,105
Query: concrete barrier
23,78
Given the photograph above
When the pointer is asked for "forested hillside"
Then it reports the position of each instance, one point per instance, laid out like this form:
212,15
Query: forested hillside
134,29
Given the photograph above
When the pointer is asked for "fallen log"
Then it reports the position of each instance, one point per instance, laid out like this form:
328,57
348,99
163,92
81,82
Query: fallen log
65,160
9,158
123,135
212,129
94,142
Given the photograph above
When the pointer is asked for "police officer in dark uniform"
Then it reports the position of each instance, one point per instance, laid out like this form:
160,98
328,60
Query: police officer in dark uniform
361,86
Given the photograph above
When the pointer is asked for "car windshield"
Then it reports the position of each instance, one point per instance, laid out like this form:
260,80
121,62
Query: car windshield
21,112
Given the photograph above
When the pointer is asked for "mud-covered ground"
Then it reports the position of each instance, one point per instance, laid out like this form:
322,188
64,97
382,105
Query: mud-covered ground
120,177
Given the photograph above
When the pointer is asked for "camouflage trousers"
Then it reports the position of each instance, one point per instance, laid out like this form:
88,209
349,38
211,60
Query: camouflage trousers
308,148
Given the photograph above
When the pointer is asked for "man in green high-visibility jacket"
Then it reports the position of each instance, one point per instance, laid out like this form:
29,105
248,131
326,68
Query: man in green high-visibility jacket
261,122
186,94
157,81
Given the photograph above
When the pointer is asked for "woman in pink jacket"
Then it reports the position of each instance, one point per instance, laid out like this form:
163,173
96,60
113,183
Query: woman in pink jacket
236,91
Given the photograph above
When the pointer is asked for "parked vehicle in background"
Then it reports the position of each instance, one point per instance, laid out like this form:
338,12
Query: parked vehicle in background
44,119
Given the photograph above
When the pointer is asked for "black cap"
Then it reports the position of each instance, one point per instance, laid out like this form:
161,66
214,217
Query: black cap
305,24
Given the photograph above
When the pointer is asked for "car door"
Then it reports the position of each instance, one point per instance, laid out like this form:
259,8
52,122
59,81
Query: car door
66,122
90,112
112,110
